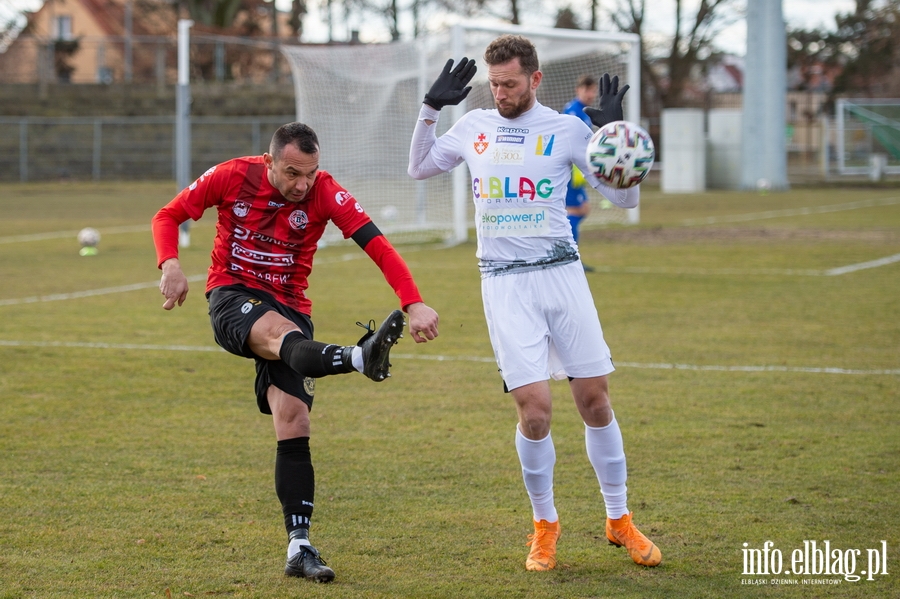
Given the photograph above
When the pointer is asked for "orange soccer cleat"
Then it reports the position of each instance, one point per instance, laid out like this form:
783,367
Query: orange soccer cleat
542,556
624,533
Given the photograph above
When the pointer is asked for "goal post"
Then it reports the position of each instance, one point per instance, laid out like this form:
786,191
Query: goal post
866,128
363,102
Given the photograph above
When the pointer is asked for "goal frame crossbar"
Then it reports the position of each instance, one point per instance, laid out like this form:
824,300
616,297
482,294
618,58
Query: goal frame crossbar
454,225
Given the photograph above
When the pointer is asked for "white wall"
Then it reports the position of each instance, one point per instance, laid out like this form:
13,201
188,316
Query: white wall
683,151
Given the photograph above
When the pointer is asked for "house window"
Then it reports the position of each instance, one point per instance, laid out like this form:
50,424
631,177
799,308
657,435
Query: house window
63,27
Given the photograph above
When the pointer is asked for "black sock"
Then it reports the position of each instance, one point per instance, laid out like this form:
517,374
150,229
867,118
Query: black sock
295,482
314,359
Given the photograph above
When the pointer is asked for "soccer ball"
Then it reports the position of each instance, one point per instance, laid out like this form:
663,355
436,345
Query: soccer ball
89,237
620,154
389,213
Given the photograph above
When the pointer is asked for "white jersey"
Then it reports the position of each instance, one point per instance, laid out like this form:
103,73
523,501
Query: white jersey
520,169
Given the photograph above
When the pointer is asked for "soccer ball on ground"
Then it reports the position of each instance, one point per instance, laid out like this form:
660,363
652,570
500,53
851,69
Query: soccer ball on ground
620,154
88,238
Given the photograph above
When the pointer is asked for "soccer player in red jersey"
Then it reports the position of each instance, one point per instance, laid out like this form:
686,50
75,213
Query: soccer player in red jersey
272,211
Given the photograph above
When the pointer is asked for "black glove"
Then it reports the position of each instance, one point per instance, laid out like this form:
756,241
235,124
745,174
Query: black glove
450,87
610,102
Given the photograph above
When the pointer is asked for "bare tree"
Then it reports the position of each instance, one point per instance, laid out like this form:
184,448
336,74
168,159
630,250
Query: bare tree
566,19
667,70
298,12
507,10
867,48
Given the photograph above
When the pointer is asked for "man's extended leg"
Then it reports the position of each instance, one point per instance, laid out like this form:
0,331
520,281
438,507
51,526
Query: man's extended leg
274,337
295,484
537,456
606,452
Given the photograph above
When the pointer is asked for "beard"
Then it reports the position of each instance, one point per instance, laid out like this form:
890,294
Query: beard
513,111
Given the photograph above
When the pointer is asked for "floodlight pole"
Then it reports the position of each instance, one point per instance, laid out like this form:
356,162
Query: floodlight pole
763,143
183,121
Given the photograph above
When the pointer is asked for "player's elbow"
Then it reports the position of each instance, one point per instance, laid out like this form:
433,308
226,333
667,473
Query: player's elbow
416,172
627,202
625,198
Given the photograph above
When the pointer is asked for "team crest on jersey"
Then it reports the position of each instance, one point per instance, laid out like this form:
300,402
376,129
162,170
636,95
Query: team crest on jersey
241,209
544,145
481,143
309,385
342,197
298,219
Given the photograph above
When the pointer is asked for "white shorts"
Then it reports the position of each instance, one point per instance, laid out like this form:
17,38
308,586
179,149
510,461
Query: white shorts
543,323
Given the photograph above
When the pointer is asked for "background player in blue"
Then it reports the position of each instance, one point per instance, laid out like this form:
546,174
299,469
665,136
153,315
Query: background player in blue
577,201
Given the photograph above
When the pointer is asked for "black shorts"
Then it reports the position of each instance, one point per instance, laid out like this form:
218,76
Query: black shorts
233,310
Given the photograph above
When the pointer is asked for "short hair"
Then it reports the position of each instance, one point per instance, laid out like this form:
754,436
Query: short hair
299,134
586,81
507,47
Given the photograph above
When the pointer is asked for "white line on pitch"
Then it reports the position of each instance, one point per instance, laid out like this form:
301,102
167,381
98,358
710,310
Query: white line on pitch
809,369
148,284
55,297
842,270
74,234
88,292
100,345
661,270
439,358
736,218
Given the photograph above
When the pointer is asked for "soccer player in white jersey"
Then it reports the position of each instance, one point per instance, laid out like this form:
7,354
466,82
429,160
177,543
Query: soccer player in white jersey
540,313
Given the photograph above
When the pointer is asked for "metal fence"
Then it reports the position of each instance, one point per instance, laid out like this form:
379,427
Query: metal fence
143,148
141,59
123,148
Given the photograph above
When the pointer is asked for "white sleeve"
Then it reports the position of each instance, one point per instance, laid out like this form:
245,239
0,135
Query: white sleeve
427,157
623,198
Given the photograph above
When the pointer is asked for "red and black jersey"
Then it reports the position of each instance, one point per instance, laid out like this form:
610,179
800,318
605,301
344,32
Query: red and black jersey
265,241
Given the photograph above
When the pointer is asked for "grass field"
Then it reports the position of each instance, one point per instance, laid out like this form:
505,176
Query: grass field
757,339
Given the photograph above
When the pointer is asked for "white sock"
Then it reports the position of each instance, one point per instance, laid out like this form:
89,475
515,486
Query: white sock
538,459
356,358
294,546
607,455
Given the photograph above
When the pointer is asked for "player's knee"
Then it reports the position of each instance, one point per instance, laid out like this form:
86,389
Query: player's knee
267,333
534,424
289,414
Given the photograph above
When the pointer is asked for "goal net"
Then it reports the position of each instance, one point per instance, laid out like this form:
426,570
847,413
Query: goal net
363,102
866,129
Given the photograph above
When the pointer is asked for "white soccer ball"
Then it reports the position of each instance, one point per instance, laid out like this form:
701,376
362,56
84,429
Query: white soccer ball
620,154
89,237
389,213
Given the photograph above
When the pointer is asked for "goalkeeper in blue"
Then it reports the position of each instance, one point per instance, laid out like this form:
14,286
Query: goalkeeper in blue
540,314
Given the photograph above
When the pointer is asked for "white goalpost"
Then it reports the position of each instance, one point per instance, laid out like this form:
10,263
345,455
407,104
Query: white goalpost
363,101
867,130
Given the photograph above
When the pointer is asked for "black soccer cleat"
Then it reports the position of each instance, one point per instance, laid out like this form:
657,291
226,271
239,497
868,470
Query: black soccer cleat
376,345
307,563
